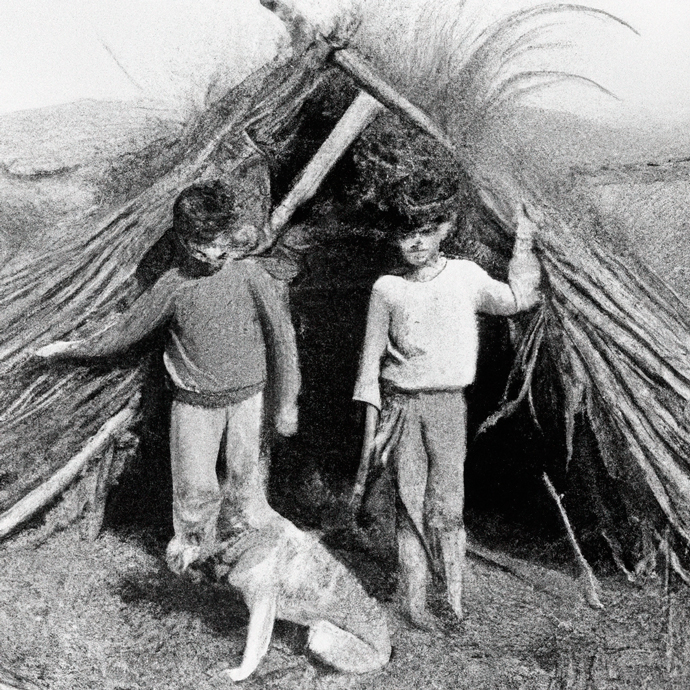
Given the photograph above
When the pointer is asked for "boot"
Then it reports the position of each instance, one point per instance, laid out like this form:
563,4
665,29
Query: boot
453,554
413,578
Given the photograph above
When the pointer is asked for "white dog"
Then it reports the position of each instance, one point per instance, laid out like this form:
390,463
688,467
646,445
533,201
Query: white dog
283,572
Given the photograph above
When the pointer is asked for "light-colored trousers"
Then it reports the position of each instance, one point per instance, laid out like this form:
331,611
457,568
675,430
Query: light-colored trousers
424,437
196,434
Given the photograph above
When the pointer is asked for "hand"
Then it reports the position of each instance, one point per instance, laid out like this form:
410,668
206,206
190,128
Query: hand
526,226
56,349
286,420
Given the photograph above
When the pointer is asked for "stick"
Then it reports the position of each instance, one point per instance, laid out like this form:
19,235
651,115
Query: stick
362,73
678,568
541,579
590,580
361,113
40,497
617,556
100,493
669,601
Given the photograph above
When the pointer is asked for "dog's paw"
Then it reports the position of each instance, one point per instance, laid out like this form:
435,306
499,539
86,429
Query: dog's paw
236,674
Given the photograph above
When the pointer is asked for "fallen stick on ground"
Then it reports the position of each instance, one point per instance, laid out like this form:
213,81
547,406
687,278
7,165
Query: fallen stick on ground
587,574
542,579
40,497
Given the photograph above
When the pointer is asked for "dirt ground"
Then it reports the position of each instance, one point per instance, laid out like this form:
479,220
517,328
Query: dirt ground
107,614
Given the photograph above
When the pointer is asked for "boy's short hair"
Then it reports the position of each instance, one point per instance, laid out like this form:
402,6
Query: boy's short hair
204,211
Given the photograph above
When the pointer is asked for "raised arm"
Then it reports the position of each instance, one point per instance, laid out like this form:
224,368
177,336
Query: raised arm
524,275
149,311
281,346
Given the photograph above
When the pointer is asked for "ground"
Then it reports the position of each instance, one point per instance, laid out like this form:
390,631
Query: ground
80,614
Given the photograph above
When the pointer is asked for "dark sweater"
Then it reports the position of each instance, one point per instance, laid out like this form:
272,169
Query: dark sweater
221,327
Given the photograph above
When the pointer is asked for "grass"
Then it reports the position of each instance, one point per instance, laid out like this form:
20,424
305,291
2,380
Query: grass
107,614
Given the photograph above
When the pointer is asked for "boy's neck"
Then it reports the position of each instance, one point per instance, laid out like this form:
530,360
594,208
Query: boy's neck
422,274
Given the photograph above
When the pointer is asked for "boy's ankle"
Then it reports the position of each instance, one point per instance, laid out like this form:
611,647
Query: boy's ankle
422,619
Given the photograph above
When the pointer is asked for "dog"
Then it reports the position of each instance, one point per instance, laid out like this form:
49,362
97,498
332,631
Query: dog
285,573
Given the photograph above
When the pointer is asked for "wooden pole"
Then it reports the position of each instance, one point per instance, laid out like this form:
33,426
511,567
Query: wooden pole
361,113
366,78
40,497
587,573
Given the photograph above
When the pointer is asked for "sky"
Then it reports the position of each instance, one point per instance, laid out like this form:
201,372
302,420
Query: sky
168,51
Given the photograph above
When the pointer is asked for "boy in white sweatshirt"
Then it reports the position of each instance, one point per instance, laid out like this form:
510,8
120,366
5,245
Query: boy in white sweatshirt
419,355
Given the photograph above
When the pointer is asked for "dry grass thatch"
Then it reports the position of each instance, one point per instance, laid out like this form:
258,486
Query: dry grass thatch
620,336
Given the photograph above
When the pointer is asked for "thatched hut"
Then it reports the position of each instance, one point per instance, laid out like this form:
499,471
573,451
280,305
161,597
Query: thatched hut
598,377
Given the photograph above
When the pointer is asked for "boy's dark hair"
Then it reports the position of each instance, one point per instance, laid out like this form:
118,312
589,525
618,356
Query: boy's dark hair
204,211
424,200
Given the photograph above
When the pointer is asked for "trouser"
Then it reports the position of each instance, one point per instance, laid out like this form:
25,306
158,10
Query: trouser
424,437
196,434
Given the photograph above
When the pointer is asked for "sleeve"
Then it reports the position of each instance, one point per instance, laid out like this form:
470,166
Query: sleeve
367,388
493,296
153,308
520,292
279,332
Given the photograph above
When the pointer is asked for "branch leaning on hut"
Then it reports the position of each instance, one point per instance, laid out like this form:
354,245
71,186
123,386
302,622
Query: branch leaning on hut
42,496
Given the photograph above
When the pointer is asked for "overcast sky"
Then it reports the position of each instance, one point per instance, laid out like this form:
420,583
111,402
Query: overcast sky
56,51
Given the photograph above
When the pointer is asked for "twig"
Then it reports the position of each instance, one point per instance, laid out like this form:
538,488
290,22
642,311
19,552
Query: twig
682,573
617,556
100,493
590,580
668,602
541,579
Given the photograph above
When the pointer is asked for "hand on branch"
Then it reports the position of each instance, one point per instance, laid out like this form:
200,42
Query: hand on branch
526,225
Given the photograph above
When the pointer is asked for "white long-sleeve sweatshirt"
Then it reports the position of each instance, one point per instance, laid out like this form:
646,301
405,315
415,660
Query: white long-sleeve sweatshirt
424,335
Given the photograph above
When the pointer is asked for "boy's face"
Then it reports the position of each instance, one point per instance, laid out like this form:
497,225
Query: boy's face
228,245
421,246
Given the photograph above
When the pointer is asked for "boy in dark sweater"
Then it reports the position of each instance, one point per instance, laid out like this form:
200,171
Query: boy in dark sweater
226,326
